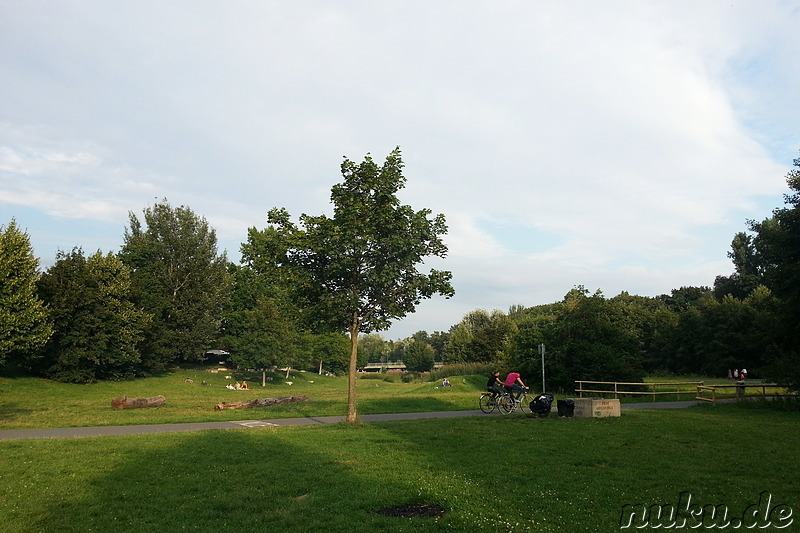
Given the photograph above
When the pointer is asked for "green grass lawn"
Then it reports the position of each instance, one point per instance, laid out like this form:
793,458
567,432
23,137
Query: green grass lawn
492,473
40,403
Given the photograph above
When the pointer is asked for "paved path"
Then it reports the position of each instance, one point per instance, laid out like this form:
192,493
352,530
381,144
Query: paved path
103,431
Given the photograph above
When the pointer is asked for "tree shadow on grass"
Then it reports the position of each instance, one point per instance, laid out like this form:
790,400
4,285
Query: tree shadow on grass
408,404
309,479
11,411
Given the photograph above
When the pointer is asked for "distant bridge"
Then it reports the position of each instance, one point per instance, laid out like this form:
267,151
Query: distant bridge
396,365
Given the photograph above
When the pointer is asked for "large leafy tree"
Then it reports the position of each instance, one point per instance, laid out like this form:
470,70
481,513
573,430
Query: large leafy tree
264,325
96,326
481,336
714,336
179,278
372,348
747,275
777,242
359,267
457,349
650,321
533,326
438,340
23,319
418,356
589,341
330,352
263,337
685,298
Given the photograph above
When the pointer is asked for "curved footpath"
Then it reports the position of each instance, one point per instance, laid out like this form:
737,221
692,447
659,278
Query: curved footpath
103,431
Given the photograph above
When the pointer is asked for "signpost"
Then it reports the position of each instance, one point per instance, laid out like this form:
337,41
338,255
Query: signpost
541,351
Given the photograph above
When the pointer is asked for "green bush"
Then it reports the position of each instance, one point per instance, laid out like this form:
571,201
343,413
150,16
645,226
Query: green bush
408,377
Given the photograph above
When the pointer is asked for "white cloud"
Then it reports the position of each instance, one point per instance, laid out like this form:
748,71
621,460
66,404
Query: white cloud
606,144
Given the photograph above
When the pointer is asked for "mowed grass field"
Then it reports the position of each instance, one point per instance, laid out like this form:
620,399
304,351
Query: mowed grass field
489,473
40,403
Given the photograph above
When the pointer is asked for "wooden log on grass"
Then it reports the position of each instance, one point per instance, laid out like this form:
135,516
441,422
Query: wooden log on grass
123,402
263,402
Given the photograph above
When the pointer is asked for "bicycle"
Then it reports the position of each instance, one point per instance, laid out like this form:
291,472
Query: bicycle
508,405
488,401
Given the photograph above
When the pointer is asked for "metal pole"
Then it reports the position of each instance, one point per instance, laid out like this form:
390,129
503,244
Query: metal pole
541,350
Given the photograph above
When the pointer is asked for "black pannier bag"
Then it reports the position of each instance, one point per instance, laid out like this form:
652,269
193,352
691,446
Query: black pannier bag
542,404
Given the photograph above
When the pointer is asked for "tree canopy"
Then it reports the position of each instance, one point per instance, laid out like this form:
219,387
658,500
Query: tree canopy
777,243
418,356
358,269
179,278
97,328
24,327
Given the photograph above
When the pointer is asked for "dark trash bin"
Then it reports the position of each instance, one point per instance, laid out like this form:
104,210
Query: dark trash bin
566,408
741,390
542,404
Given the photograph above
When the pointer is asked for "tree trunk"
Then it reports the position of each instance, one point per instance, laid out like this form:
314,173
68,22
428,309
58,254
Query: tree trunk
352,415
123,402
263,402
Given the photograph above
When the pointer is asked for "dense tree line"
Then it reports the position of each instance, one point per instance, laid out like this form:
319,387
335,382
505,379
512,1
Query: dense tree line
168,297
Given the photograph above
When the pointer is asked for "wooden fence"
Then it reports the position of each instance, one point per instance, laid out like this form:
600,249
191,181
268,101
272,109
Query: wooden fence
708,393
619,388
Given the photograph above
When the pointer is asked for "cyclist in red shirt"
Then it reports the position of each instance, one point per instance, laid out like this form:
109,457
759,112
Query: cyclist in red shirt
511,385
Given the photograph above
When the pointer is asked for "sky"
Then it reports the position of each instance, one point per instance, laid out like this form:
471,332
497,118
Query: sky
617,145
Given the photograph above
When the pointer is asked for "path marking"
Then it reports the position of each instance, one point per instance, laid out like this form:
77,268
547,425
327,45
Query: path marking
256,424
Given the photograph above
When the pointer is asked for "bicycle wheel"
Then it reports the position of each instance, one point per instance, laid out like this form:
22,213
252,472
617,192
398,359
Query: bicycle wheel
522,405
487,403
506,404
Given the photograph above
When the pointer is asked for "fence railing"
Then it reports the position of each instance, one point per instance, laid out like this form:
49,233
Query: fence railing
708,393
619,388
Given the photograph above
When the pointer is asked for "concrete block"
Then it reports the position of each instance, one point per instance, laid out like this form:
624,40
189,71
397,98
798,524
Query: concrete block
596,408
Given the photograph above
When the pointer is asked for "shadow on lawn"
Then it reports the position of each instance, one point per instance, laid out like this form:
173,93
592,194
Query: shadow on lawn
514,473
408,404
10,411
246,480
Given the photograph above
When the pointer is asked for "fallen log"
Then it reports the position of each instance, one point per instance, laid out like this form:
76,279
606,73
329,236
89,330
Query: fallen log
263,402
123,402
